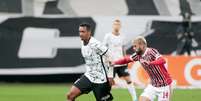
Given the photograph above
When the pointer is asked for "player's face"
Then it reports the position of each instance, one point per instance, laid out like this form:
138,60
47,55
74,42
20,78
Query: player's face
84,34
137,47
116,26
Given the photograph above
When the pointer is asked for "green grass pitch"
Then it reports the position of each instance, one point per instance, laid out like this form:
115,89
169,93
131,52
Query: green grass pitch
56,92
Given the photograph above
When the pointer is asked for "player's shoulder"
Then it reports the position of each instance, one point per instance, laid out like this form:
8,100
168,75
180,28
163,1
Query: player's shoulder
94,42
108,35
152,50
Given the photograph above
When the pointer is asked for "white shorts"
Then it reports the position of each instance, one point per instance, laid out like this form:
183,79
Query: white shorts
163,93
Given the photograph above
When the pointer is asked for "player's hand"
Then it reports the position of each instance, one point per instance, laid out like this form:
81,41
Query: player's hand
111,81
111,64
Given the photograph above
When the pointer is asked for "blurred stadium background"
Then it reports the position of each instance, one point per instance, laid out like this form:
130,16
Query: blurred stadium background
40,47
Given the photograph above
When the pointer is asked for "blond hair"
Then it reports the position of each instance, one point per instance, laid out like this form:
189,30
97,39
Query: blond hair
140,40
117,20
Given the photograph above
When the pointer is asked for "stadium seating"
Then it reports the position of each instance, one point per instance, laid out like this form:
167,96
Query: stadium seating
96,7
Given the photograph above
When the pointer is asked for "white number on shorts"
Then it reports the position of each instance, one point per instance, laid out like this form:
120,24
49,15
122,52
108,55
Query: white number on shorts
165,95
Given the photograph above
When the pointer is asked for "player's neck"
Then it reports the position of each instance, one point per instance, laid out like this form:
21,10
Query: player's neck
86,41
116,33
143,51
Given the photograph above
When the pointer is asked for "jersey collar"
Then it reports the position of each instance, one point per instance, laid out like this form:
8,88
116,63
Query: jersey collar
145,52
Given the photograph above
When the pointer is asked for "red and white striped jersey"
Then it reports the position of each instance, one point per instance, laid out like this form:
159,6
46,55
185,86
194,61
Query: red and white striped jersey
158,73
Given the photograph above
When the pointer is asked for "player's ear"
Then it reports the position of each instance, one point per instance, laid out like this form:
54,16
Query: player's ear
89,32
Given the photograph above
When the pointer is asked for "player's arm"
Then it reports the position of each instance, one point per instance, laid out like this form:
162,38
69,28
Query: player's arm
104,52
124,60
158,58
158,61
107,58
124,46
124,50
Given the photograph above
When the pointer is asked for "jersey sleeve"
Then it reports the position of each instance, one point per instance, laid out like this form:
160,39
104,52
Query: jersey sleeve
155,53
99,48
134,57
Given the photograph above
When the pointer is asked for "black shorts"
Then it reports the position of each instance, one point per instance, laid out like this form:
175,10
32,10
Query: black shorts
101,91
121,71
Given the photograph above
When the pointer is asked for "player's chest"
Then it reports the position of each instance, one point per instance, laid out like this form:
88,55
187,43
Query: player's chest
86,51
146,57
89,54
116,41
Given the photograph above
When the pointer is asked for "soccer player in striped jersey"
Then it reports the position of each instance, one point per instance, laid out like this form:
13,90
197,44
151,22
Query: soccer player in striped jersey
115,41
154,65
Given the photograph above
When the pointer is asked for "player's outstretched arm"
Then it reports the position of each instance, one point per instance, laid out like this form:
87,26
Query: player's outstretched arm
124,60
